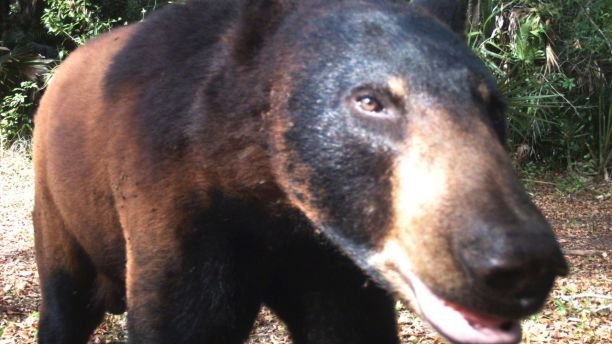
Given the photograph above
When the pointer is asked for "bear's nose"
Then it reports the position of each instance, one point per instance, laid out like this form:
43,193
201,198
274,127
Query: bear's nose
526,280
516,263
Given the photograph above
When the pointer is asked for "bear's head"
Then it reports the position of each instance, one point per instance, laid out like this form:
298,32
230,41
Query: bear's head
388,134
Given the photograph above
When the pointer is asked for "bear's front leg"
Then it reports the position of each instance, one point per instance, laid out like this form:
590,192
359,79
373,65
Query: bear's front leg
187,286
325,299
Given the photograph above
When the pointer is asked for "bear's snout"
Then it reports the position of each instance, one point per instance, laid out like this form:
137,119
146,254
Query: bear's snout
512,265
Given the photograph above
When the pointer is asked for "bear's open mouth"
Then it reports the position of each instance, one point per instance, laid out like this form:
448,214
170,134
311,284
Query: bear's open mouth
461,325
458,324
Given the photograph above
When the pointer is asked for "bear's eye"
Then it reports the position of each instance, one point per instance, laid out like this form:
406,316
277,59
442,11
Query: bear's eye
370,104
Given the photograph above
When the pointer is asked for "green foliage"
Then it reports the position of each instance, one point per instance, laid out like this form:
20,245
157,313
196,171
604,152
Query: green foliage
560,307
75,21
16,109
529,39
20,64
572,184
530,173
552,58
68,24
21,73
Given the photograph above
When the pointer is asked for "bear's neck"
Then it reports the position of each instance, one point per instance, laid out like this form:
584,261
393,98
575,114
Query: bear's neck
228,121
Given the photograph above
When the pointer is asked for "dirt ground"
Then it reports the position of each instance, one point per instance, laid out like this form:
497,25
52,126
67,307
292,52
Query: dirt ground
578,310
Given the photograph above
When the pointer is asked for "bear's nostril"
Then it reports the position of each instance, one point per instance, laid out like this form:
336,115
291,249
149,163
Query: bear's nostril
507,326
521,283
500,276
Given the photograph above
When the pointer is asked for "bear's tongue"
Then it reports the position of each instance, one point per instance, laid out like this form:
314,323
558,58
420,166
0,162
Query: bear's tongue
460,325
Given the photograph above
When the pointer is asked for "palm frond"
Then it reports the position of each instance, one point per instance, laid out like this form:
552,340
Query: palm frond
20,64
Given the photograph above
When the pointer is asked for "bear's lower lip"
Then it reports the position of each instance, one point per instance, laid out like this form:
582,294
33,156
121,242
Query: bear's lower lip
392,267
458,324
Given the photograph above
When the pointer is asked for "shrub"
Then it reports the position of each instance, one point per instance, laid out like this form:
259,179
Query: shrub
553,59
16,108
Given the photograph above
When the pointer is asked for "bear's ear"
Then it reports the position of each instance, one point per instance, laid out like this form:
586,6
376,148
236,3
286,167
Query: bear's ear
258,19
451,12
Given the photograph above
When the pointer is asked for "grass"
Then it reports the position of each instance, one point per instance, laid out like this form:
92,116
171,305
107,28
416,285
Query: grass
578,311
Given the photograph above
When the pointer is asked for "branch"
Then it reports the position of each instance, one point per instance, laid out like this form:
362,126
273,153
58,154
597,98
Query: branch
584,252
586,295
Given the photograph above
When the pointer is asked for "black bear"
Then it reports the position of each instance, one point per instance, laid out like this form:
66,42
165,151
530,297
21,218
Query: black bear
319,157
